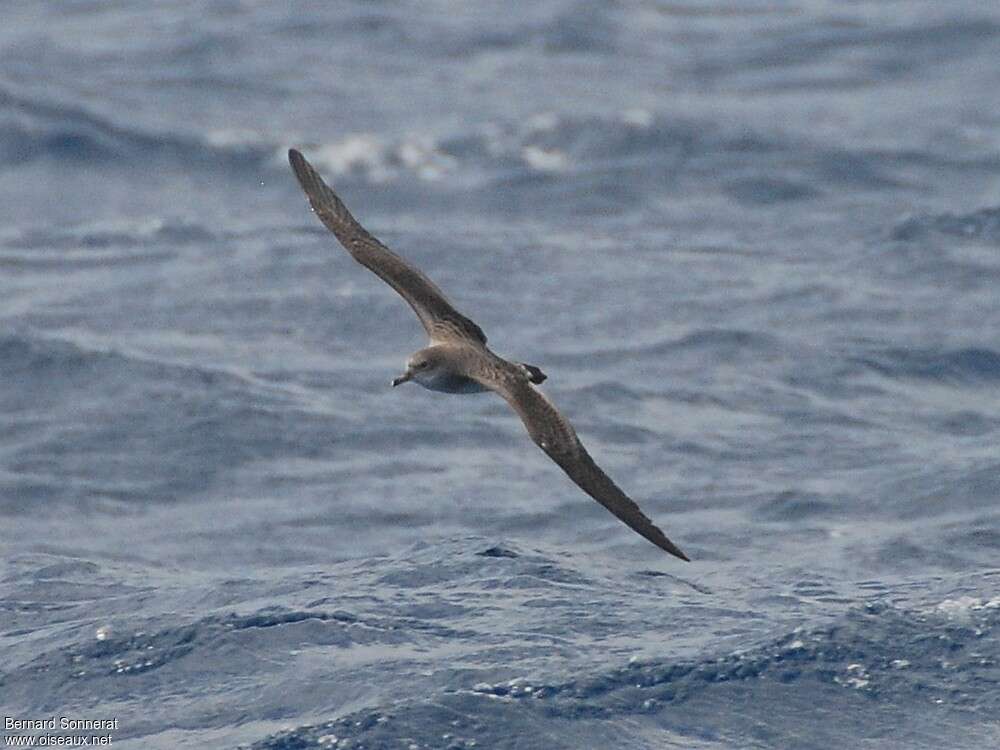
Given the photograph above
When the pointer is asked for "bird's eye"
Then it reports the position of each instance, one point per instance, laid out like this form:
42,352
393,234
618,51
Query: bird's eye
421,365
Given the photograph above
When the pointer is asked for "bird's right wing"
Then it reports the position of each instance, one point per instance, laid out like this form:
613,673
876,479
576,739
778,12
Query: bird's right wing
556,436
439,318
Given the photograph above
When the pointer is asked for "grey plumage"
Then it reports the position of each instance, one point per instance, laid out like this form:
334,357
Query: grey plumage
458,360
439,318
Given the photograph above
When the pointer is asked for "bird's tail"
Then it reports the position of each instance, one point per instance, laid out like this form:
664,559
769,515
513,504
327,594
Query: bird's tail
535,375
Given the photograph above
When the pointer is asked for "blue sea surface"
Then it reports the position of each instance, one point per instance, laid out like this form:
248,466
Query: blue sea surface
756,248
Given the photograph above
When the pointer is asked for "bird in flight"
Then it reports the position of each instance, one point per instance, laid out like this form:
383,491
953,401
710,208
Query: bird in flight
457,359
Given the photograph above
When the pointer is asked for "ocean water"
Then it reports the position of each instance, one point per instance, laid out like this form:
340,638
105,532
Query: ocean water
756,248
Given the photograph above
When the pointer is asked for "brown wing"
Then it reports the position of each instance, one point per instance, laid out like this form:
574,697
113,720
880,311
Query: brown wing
439,318
556,436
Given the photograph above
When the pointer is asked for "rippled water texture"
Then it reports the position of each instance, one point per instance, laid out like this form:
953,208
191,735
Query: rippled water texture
755,247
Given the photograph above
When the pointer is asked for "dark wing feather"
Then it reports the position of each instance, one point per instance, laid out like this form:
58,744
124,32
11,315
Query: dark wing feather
556,436
439,318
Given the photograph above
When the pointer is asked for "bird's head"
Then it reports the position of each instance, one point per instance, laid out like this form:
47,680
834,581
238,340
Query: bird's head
423,366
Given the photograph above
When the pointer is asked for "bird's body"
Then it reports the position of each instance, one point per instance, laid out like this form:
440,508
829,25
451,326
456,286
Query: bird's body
451,382
457,360
444,368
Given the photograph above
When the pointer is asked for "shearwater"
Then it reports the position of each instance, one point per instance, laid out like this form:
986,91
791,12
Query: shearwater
457,359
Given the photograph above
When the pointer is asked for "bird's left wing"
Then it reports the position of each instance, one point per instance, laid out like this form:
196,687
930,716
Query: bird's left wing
439,318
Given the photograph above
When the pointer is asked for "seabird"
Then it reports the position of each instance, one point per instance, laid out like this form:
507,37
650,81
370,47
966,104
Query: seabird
457,359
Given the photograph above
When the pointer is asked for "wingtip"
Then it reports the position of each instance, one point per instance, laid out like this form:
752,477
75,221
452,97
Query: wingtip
676,552
667,546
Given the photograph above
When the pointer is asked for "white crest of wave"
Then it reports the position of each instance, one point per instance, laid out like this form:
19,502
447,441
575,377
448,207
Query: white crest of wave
544,159
962,607
381,161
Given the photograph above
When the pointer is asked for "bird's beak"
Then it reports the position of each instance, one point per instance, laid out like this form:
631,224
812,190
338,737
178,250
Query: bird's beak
402,378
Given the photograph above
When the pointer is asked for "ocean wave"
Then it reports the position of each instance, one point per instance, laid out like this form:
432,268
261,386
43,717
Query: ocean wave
136,428
581,28
37,129
56,360
150,240
590,162
792,506
720,344
768,190
877,51
940,491
966,366
379,160
982,225
878,663
466,644
110,234
542,146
